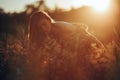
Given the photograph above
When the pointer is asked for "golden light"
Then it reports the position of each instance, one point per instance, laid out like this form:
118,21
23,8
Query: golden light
100,5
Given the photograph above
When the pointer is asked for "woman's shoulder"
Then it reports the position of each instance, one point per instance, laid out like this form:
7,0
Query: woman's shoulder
62,25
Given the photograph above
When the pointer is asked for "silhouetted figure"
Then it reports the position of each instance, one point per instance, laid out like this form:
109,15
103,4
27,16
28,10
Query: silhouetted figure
67,51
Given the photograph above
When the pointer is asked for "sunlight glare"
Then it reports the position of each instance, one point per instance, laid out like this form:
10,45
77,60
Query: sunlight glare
100,5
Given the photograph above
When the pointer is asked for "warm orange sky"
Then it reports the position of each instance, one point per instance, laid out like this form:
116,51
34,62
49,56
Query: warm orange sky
19,5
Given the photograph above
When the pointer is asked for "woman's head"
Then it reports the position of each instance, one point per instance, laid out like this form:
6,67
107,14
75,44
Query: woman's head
39,25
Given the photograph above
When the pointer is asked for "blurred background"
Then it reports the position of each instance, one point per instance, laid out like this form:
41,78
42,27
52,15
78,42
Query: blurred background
101,16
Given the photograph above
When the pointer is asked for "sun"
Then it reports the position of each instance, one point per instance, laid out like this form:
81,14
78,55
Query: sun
100,5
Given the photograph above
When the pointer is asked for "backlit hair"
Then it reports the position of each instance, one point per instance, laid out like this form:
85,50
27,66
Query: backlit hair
33,32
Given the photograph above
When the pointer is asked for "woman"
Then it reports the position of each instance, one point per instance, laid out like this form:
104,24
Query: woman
66,50
41,25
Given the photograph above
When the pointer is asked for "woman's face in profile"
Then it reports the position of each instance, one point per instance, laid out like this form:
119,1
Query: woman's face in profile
44,25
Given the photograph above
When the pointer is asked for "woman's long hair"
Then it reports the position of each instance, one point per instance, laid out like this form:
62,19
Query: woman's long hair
36,35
